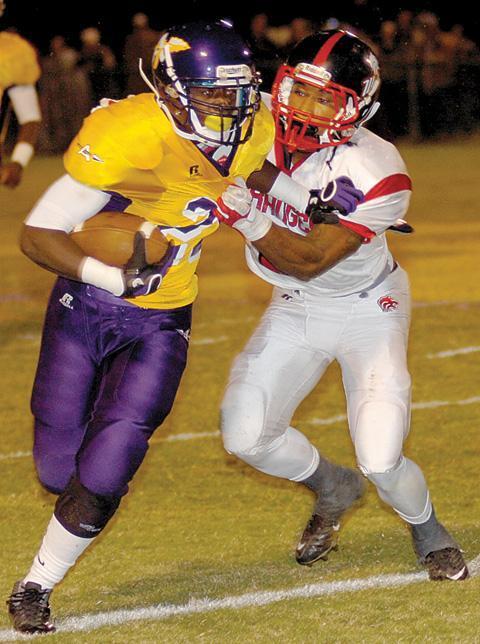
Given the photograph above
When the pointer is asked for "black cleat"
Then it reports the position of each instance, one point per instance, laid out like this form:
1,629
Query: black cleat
318,538
29,608
320,535
447,563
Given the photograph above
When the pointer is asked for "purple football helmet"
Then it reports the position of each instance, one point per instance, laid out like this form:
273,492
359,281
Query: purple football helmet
206,81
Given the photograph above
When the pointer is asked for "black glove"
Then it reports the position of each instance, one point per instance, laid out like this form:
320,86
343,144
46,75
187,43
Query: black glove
141,278
340,195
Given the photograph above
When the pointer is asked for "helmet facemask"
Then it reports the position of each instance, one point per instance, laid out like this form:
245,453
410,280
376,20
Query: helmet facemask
305,131
228,122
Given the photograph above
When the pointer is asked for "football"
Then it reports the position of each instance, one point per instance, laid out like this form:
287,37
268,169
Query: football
109,237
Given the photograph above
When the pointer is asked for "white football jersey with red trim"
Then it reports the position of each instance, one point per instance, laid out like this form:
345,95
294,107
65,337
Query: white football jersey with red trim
375,167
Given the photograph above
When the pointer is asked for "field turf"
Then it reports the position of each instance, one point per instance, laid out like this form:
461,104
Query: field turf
200,525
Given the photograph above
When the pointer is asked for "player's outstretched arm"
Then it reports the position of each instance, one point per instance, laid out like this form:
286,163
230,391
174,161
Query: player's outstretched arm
309,256
303,257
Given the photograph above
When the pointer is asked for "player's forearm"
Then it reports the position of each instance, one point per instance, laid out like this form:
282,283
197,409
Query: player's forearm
290,253
309,256
29,133
53,250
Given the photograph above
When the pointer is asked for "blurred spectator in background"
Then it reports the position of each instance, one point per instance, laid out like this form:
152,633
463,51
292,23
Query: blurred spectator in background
100,65
393,49
437,74
300,28
19,71
431,77
65,96
404,27
265,54
279,36
139,44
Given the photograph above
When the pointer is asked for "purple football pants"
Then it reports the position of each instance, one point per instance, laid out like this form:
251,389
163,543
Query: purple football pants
107,376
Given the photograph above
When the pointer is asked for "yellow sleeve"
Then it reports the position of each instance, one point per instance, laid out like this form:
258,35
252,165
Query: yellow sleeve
18,61
112,142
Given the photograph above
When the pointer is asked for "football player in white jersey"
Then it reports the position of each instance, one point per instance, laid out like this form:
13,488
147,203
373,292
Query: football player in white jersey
338,295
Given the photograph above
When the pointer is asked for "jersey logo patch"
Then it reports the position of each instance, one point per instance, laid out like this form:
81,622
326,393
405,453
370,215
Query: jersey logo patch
89,156
194,170
387,303
66,300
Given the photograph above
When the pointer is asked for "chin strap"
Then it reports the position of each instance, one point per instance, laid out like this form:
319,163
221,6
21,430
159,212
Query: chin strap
147,80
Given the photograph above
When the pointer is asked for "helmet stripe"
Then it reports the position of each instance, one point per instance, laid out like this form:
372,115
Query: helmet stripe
324,51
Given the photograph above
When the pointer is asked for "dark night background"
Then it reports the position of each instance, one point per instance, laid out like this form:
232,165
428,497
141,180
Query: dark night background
39,21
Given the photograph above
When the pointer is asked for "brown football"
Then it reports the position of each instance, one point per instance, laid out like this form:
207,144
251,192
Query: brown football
109,237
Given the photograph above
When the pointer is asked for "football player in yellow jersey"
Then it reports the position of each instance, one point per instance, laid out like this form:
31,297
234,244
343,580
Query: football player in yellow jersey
19,71
115,340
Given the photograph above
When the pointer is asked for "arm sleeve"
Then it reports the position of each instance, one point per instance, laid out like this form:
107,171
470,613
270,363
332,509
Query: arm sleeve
66,204
25,103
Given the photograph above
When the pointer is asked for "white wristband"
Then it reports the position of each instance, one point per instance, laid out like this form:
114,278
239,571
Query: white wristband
102,275
255,227
22,153
291,192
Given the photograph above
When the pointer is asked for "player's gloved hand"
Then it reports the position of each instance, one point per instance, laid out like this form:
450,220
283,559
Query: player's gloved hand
141,278
235,209
339,196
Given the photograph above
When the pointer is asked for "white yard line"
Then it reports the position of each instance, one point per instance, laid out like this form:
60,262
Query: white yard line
94,621
452,352
431,404
214,340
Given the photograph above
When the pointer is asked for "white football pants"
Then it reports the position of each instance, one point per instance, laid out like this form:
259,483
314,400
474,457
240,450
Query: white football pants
297,338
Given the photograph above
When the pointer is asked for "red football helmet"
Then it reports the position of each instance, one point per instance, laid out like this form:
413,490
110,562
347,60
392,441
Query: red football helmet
344,67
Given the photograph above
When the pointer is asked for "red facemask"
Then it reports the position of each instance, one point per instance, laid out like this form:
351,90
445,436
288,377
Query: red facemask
299,130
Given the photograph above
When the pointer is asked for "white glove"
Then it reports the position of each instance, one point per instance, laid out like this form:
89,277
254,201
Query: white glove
235,209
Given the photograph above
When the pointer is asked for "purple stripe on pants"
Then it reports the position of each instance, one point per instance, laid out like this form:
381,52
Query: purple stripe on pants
107,376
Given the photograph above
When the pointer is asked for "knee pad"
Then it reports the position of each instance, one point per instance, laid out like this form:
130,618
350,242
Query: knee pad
242,417
379,432
82,512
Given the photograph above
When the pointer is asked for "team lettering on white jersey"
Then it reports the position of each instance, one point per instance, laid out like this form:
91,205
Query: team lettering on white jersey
376,168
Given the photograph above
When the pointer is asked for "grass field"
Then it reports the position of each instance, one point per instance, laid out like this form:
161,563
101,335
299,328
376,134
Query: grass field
198,525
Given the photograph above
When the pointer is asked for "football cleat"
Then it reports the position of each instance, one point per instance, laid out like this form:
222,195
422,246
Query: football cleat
321,533
447,563
29,608
318,539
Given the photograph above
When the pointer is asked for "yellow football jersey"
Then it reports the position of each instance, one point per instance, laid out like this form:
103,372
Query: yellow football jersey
130,148
18,62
